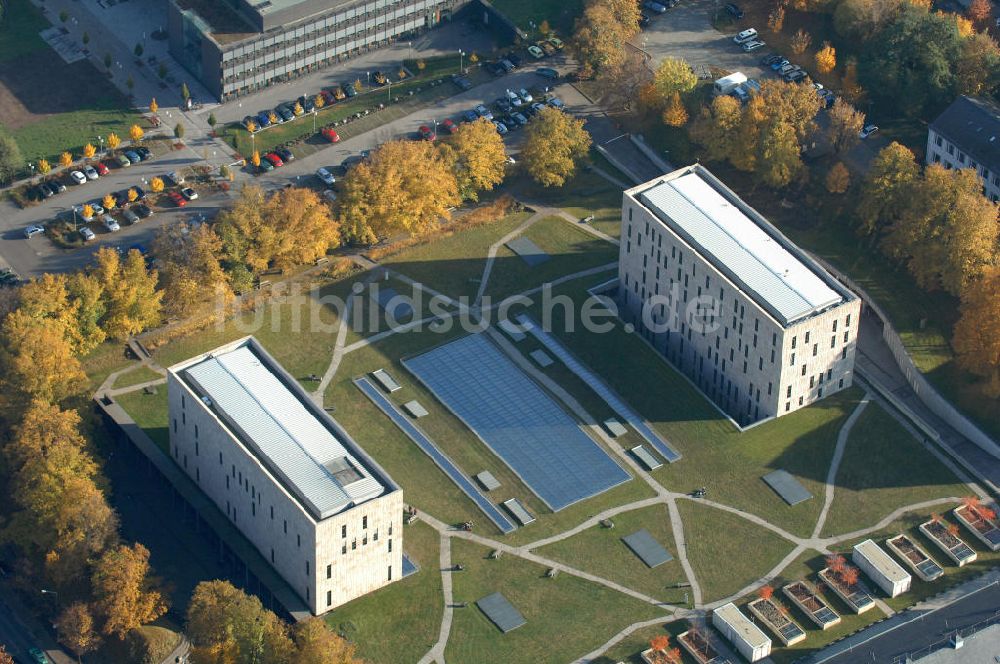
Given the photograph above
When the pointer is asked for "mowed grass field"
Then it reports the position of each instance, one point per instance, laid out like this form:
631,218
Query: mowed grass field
47,105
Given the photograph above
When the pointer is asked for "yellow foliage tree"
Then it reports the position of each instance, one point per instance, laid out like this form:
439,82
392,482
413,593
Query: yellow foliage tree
39,362
477,156
75,627
554,143
319,101
132,195
358,85
131,296
89,151
136,133
156,185
109,202
44,167
153,106
965,26
88,211
255,158
251,126
826,58
674,75
776,19
977,333
317,644
272,117
297,109
65,159
675,115
114,141
124,597
838,179
189,263
403,187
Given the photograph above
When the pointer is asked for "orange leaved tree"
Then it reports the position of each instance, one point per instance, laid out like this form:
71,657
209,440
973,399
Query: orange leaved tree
765,592
849,576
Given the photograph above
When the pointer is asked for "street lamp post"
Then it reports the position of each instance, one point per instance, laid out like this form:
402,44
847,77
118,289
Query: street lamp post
461,61
314,120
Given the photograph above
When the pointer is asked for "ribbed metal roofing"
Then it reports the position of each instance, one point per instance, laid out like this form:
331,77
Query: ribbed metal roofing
278,428
735,244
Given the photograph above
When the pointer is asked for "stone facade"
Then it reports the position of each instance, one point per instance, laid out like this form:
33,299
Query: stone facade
731,347
327,562
942,151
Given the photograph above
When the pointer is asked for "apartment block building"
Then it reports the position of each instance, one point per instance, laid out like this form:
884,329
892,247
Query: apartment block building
967,135
753,321
236,47
324,514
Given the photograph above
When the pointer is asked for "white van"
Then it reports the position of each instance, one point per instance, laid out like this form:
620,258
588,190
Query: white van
745,36
727,84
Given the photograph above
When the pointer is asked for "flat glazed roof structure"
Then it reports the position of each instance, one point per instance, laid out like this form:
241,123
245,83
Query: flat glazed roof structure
308,456
740,243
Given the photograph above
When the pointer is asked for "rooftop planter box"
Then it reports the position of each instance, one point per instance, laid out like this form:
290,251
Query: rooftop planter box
699,646
655,656
855,595
811,604
915,557
949,542
983,526
768,612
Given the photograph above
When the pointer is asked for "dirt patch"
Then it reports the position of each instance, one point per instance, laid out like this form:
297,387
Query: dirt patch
39,85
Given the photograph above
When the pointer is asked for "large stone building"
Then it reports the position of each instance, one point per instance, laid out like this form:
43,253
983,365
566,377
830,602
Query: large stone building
325,515
967,135
238,46
753,321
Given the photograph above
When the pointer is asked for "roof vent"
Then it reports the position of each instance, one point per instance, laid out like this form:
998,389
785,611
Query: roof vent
206,401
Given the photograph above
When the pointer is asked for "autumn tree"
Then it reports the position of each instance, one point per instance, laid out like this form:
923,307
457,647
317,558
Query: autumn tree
860,20
780,160
886,188
89,151
618,83
108,202
554,143
800,41
153,106
255,158
717,127
838,179
674,75
189,264
136,133
124,596
44,167
601,33
675,115
303,228
65,159
114,141
979,11
75,628
403,187
156,185
826,58
977,333
132,195
477,157
977,70
5,657
38,361
11,159
796,104
317,644
776,18
765,592
844,125
225,624
131,296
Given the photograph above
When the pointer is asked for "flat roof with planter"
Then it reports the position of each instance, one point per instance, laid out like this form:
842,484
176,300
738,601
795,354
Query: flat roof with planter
986,531
915,557
855,596
749,640
769,613
881,568
952,545
810,603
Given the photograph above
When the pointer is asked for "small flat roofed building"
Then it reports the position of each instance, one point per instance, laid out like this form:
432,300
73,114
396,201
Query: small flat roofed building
315,505
746,637
967,135
885,572
751,319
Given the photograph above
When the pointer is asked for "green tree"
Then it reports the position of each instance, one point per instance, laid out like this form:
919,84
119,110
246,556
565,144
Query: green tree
179,130
11,159
107,61
478,158
185,93
212,121
887,187
977,71
554,143
674,75
860,20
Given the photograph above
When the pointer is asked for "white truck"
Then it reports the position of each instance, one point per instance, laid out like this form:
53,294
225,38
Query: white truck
727,84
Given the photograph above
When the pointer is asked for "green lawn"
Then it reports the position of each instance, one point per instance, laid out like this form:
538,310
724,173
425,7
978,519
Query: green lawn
136,376
566,617
19,29
368,317
601,551
453,264
727,552
585,194
885,468
103,361
150,412
71,130
716,455
570,250
629,648
400,622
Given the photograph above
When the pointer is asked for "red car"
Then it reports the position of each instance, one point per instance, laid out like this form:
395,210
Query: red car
426,133
330,135
101,168
178,200
274,159
328,97
449,126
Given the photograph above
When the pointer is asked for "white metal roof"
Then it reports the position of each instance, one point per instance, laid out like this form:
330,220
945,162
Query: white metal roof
773,276
285,435
881,561
742,626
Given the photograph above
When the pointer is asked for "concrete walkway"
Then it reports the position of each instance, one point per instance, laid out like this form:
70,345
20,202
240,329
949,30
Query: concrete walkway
838,455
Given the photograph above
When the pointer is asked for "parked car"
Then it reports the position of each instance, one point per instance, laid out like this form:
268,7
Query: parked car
350,91
536,107
502,104
513,98
330,135
536,52
868,130
140,193
308,103
38,656
143,152
507,65
251,121
654,7
469,116
76,176
795,76
734,11
131,216
263,120
779,63
337,92
48,192
57,186
101,168
330,195
189,193
133,156
525,96
285,154
328,98
747,35
124,161
449,125
483,112
495,68
426,133
179,200
97,207
751,46
501,128
770,59
274,159
284,112
33,230
547,72
643,20
90,172
556,102
172,179
556,43
265,166
87,234
111,224
326,176
462,82
519,119
142,210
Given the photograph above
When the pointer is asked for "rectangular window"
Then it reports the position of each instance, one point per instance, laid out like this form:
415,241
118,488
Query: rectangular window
390,546
343,531
807,337
788,406
175,425
307,568
285,526
220,459
329,571
272,556
803,370
834,324
815,349
390,572
792,362
196,431
800,401
329,597
840,383
794,339
843,353
364,523
272,512
846,336
788,393
298,540
833,342
343,549
847,323
253,509
182,401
